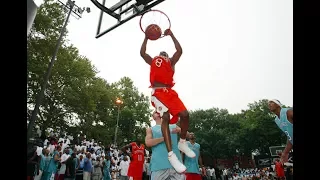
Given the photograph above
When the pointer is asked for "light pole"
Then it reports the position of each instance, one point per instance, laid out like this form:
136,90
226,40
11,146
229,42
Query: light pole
73,8
31,14
119,102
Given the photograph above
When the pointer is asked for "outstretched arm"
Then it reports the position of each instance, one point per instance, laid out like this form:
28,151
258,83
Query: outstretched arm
285,153
201,165
176,56
152,141
290,115
178,130
147,58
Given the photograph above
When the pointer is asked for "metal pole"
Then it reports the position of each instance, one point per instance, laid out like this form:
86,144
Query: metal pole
31,14
100,18
116,131
47,75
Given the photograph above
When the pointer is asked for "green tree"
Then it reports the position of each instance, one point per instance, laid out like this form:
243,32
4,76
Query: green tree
41,44
135,111
69,91
75,99
224,135
258,130
215,132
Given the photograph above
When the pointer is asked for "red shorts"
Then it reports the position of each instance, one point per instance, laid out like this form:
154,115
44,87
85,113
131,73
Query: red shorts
193,176
167,99
135,170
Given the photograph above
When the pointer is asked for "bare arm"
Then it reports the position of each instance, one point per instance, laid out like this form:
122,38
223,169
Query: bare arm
176,56
147,58
124,148
290,115
68,169
78,164
201,165
178,130
152,141
288,147
39,159
182,157
56,157
200,161
32,159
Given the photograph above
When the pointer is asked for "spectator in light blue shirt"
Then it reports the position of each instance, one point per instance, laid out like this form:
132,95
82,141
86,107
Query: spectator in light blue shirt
87,167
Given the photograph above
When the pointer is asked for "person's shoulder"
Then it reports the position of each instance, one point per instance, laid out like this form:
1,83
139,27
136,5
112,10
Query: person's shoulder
149,129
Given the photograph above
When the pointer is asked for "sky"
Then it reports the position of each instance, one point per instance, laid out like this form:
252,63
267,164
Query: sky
234,52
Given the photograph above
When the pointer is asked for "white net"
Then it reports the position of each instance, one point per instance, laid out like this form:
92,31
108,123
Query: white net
155,17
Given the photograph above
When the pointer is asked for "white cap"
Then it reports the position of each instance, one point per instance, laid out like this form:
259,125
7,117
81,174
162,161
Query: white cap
276,101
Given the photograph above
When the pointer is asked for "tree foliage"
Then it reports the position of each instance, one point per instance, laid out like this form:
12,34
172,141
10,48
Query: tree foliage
224,135
76,99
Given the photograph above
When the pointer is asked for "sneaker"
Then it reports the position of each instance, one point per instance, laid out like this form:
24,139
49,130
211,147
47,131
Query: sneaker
183,146
176,164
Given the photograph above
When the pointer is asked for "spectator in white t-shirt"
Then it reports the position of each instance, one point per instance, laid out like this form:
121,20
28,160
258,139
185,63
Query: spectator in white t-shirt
123,167
63,161
212,173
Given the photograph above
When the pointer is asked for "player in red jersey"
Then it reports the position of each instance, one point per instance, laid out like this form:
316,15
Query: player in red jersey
166,100
138,152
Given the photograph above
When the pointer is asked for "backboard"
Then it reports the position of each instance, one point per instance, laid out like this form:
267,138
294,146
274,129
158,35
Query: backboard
121,11
276,150
266,162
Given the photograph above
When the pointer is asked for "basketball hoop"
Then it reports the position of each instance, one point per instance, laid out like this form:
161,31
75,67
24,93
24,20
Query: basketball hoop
155,17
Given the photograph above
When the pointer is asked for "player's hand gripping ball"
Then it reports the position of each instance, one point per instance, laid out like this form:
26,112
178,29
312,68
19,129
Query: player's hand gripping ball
153,32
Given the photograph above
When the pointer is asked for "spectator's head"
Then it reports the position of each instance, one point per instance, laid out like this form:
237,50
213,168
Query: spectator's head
66,151
125,158
52,141
58,148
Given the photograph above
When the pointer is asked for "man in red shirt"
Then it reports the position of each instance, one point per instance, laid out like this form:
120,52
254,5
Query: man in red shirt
166,100
138,152
279,170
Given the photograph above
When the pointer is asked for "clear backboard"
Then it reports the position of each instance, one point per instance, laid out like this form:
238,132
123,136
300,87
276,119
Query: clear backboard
120,12
276,150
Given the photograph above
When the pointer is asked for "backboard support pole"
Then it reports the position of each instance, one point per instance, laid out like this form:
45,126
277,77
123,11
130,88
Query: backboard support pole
115,26
100,18
31,14
104,9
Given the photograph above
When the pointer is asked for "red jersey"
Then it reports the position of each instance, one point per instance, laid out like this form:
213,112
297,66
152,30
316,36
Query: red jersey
279,169
161,71
135,169
137,153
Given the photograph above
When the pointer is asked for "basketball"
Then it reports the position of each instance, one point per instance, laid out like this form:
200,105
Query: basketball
153,32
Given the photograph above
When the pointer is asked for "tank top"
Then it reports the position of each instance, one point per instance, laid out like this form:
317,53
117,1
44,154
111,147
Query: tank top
192,164
284,124
137,153
161,71
159,159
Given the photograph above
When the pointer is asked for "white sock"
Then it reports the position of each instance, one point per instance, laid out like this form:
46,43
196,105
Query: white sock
182,140
170,153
